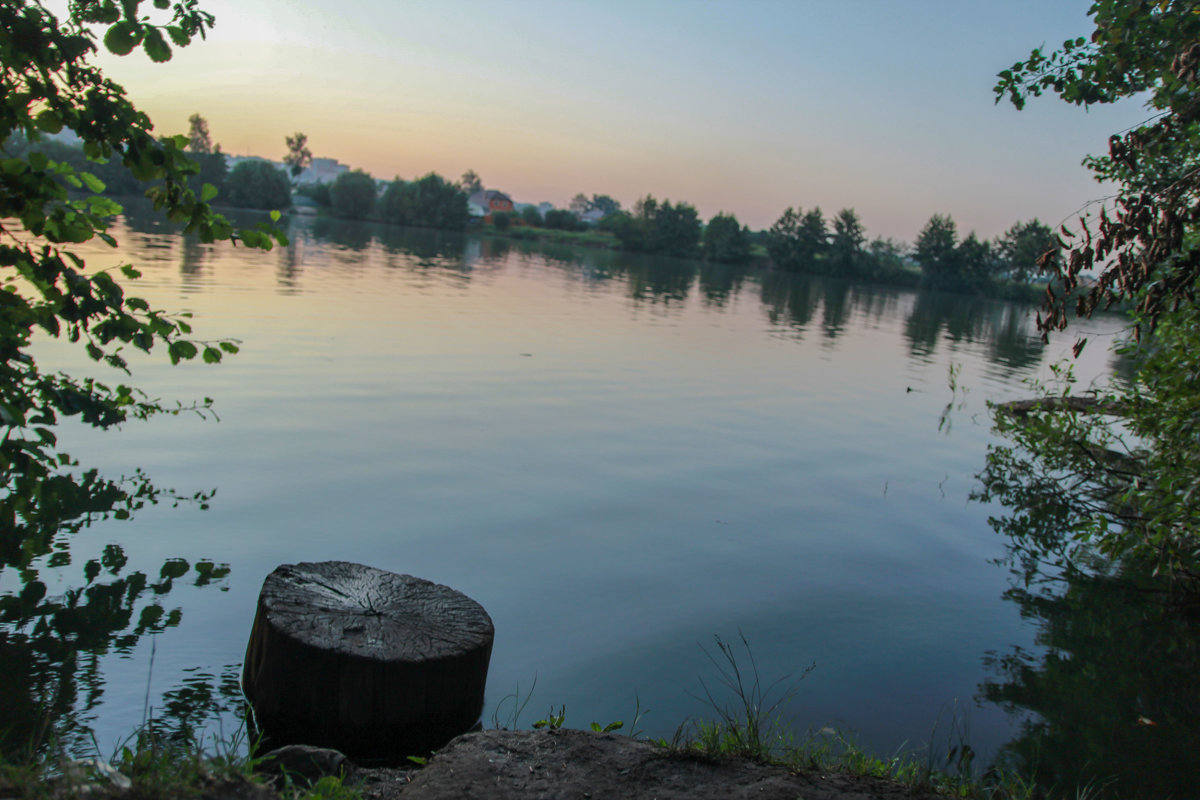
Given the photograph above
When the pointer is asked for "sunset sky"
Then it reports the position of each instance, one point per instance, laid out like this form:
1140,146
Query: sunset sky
743,107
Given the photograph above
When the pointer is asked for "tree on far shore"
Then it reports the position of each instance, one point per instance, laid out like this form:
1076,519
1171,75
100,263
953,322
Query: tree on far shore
797,240
298,157
214,170
199,139
353,194
470,182
532,215
659,228
936,249
258,184
1021,248
726,240
846,246
603,203
428,202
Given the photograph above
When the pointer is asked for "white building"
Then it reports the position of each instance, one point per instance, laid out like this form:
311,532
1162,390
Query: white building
321,170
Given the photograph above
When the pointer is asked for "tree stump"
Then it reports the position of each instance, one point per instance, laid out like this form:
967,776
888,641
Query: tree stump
377,665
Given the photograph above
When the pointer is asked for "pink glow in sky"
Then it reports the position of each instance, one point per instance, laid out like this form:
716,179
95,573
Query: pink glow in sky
743,107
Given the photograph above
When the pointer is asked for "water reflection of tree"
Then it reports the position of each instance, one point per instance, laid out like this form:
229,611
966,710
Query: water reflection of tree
790,298
1012,342
349,233
192,259
51,645
200,698
719,282
655,278
834,308
288,263
877,302
426,244
1124,363
492,249
935,312
1004,327
1112,697
139,216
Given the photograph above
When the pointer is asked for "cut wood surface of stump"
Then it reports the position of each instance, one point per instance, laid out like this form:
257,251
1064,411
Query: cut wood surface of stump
373,663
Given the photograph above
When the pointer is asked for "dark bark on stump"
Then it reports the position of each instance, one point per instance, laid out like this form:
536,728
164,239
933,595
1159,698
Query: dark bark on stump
377,665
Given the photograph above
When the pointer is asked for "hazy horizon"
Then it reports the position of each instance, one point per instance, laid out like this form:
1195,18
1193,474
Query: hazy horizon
742,108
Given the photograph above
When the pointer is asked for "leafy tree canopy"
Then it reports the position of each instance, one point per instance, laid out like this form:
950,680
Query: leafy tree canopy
429,202
531,215
726,240
936,248
660,228
199,139
846,246
579,203
1140,246
470,182
258,184
298,156
353,194
562,220
47,206
1020,250
1126,463
798,239
604,204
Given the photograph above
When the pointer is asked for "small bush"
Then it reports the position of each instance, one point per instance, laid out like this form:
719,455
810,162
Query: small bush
532,216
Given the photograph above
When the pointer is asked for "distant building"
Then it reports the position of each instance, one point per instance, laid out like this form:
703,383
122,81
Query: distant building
492,200
488,202
321,170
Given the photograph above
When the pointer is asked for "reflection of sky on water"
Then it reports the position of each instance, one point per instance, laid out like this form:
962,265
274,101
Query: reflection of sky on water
618,457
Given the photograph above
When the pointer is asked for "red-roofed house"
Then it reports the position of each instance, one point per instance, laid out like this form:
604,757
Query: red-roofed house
489,201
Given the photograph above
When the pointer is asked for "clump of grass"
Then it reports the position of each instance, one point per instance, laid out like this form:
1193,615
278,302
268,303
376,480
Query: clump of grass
553,720
158,767
750,724
161,766
512,718
330,787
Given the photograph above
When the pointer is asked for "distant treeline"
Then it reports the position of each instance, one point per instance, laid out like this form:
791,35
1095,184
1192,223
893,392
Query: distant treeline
799,241
428,202
115,176
803,241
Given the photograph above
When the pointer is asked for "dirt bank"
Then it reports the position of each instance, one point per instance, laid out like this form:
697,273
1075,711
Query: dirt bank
573,765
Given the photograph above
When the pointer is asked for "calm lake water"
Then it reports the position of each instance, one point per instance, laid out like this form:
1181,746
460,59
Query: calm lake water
618,457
